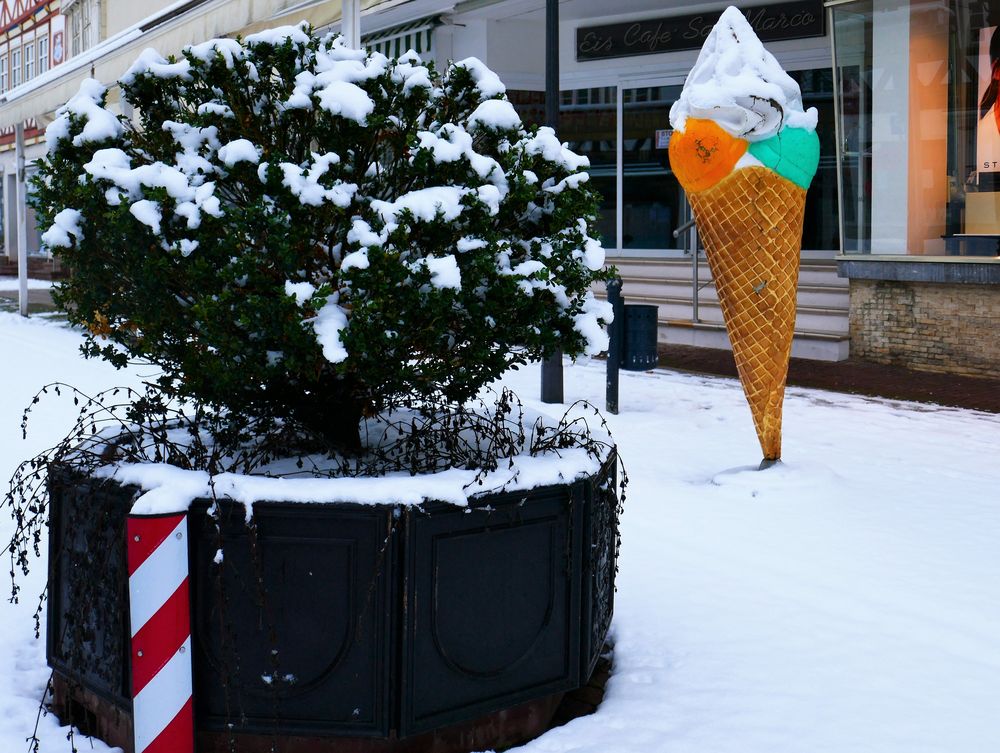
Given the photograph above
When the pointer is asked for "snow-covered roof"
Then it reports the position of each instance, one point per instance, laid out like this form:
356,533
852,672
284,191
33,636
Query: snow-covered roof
182,23
43,94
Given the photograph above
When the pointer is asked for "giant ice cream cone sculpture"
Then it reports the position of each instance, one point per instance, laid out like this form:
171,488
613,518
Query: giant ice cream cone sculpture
745,151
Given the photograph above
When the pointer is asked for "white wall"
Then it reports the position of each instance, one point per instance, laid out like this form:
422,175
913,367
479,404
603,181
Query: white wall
514,49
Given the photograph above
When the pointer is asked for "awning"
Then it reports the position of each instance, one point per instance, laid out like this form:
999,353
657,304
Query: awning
396,40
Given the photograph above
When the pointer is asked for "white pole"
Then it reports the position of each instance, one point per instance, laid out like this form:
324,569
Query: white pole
22,221
9,232
350,25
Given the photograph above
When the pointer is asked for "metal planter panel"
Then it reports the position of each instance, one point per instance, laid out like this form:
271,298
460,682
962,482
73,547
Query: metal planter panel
600,563
492,606
292,633
87,635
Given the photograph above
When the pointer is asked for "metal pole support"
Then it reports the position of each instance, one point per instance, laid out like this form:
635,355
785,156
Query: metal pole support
21,208
350,23
615,332
552,370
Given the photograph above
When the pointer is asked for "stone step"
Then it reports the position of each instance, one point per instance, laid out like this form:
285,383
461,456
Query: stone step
811,272
808,295
816,346
832,321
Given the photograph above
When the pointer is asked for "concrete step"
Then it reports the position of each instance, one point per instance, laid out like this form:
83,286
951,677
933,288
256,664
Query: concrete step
817,346
39,268
808,295
811,272
832,321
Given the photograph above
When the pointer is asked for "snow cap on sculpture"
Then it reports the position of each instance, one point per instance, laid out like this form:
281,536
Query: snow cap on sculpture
745,150
739,84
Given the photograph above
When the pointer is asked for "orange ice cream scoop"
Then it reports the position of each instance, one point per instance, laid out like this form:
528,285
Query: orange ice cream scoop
703,154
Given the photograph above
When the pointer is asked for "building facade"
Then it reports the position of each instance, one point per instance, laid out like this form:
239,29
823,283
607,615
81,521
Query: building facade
32,41
894,192
919,157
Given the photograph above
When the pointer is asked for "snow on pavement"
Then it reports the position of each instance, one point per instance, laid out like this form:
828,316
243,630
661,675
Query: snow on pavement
12,283
37,352
844,601
848,600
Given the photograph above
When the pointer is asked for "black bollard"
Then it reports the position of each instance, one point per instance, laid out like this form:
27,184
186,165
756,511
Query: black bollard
615,332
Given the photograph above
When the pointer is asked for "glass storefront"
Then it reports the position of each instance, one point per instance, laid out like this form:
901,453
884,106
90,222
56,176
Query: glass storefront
918,87
588,121
651,197
652,202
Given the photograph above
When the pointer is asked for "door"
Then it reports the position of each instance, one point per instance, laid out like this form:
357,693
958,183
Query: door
652,202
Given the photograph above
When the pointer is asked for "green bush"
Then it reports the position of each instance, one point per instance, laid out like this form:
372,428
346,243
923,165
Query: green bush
296,230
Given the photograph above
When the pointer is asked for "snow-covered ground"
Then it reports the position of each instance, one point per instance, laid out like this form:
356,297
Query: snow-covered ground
846,601
12,283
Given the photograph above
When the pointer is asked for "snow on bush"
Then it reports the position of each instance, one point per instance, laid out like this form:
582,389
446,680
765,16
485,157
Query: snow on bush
294,229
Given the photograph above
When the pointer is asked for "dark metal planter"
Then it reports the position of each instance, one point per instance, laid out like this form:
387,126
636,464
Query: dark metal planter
349,627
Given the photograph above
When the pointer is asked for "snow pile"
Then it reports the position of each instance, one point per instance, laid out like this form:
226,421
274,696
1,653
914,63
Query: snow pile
100,124
13,283
511,438
169,489
65,224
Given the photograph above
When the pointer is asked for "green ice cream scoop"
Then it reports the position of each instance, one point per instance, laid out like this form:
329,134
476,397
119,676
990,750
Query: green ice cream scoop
793,153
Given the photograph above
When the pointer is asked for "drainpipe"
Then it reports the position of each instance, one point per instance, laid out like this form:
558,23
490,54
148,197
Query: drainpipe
552,369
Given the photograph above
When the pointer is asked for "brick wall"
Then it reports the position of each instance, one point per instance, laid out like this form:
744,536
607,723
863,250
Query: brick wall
953,328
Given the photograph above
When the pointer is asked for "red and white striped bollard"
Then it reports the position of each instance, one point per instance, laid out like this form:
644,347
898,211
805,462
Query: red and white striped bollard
160,612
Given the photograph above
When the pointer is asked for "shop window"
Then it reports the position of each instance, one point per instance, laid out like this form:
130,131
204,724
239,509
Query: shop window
652,199
589,125
653,204
820,229
918,89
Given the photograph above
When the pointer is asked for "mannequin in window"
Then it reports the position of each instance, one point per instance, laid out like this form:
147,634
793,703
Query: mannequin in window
988,133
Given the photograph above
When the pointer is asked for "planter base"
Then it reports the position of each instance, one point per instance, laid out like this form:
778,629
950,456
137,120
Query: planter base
103,719
399,630
98,717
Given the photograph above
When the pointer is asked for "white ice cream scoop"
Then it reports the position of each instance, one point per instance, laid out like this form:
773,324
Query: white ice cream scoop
740,85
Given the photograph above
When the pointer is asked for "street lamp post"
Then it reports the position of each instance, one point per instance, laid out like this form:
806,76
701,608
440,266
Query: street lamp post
21,220
552,370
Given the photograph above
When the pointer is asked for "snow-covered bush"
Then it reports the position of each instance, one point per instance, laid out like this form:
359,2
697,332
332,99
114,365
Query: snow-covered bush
297,230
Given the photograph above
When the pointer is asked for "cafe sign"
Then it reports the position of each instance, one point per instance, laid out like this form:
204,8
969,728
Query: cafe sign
794,20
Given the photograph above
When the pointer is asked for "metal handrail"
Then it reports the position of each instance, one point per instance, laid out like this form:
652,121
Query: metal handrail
684,228
687,229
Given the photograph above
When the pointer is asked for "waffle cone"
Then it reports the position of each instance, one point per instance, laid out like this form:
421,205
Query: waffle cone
751,225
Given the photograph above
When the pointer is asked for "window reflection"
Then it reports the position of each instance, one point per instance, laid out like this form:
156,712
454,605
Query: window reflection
920,126
653,203
587,122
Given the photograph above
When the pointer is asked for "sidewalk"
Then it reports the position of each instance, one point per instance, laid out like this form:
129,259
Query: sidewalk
853,376
39,301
